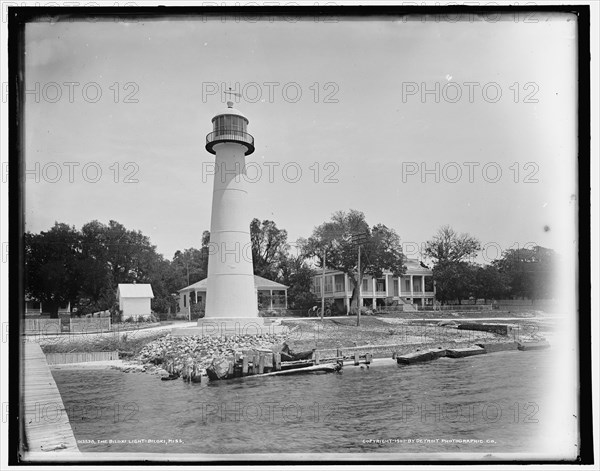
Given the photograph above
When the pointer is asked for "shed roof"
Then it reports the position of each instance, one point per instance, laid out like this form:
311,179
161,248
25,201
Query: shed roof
259,283
135,290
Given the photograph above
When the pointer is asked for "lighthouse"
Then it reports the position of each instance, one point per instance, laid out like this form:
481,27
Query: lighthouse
230,291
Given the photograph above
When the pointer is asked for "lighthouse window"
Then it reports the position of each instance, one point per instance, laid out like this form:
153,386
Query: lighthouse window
218,123
229,123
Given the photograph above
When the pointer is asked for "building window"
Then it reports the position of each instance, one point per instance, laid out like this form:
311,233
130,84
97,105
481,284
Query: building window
395,284
317,285
339,283
380,285
365,284
184,300
417,284
279,298
328,284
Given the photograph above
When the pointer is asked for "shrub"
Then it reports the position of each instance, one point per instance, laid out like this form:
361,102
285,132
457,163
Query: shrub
116,315
152,318
390,302
302,300
197,311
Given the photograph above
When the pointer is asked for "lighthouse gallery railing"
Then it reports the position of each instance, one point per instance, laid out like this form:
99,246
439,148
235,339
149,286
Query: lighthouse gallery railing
230,135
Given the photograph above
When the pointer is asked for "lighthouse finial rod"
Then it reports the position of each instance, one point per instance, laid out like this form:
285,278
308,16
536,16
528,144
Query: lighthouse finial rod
229,92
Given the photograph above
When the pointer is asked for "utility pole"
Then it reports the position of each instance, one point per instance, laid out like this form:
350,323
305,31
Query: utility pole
359,239
323,285
187,267
359,279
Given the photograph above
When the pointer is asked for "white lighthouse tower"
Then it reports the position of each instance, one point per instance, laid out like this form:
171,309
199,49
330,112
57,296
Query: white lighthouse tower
230,292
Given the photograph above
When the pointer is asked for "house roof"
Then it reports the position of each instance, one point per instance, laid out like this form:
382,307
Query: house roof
413,267
135,290
259,283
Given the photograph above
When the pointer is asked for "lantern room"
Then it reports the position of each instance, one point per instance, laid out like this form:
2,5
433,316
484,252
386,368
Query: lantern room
230,126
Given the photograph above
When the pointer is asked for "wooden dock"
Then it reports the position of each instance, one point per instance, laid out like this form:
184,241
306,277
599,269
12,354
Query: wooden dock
465,352
45,420
258,362
420,356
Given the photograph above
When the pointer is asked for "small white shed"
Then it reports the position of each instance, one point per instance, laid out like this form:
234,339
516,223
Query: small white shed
134,299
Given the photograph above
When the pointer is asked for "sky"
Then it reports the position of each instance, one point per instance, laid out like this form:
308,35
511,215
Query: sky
338,116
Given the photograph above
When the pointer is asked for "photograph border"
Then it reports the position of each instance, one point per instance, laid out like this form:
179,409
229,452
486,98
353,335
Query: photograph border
20,16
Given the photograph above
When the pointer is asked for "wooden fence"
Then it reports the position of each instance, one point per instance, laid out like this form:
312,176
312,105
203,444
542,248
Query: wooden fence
41,326
97,324
458,307
65,358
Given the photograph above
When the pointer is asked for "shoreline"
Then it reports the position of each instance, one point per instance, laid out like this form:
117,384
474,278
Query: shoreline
381,337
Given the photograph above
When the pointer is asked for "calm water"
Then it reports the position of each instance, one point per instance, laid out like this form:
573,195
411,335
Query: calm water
497,398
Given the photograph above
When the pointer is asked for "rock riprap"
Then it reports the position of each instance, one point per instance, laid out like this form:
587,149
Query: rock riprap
179,352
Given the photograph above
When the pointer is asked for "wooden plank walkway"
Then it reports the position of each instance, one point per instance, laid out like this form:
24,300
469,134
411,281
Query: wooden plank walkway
47,427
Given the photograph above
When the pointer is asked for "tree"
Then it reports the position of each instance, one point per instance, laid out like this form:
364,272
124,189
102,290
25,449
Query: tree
190,266
530,272
161,279
84,267
130,254
333,240
112,254
449,246
454,281
490,283
52,266
269,248
96,279
296,274
453,274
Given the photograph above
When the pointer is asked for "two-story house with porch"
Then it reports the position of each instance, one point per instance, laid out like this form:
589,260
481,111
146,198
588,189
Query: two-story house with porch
414,287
